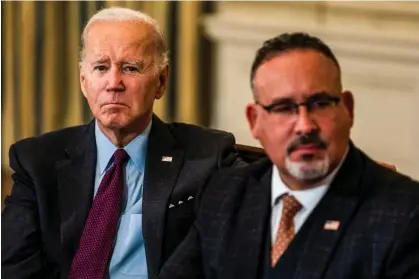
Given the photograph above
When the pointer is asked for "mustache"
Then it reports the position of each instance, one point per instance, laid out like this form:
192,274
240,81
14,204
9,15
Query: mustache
307,139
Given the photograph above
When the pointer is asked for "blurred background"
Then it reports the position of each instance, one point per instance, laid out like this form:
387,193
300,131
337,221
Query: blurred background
212,45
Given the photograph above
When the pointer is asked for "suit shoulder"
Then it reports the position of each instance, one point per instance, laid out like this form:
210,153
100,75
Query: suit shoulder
387,178
396,186
45,149
227,186
188,134
53,138
241,172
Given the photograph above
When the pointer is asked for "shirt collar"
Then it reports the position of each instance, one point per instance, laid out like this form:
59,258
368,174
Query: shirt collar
136,149
307,198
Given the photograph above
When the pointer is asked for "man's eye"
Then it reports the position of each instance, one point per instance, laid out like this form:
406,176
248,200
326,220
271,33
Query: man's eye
130,69
321,104
100,68
283,109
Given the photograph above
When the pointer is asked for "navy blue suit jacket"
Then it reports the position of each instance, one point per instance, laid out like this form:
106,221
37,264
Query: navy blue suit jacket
378,235
53,185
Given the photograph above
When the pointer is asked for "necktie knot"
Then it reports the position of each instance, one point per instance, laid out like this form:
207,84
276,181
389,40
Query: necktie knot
290,205
120,156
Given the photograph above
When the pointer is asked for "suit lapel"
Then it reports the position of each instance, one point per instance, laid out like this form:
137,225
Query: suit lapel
339,204
75,176
246,244
163,164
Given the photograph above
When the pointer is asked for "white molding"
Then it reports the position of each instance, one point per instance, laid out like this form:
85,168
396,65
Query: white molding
382,8
235,30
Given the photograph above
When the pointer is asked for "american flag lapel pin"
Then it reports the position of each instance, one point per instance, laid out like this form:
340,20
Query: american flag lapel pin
166,159
331,225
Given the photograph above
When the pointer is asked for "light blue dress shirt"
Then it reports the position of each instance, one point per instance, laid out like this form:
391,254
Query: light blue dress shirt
128,258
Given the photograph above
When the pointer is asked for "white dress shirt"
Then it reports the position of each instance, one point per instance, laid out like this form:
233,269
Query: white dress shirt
308,198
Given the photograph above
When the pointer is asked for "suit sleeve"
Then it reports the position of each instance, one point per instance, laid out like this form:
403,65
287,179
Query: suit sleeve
404,258
228,155
186,261
21,253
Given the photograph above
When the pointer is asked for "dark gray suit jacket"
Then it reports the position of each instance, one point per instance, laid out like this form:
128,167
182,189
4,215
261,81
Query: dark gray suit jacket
378,235
52,193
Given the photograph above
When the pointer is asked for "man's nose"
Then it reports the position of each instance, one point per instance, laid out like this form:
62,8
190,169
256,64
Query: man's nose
305,122
115,82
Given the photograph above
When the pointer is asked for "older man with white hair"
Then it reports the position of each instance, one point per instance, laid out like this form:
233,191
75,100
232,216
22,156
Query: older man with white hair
113,198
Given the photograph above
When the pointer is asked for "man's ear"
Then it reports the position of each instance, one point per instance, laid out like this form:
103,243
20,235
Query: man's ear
252,119
349,103
82,79
163,80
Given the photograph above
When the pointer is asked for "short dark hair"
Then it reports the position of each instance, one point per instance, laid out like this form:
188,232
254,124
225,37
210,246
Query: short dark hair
286,42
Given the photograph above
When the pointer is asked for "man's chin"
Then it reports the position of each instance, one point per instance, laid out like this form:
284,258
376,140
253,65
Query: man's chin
312,169
114,122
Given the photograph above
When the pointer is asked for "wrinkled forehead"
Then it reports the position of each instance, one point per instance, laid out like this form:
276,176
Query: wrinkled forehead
135,36
297,74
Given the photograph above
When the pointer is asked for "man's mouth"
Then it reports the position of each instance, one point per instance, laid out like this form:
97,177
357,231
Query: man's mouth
114,104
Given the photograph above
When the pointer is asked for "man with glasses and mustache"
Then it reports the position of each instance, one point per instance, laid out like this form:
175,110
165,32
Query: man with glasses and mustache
317,207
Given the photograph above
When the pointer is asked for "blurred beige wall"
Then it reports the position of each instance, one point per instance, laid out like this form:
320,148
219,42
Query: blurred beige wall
377,44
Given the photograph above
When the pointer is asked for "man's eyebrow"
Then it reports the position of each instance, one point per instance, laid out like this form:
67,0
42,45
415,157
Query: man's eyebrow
282,100
100,60
135,62
287,100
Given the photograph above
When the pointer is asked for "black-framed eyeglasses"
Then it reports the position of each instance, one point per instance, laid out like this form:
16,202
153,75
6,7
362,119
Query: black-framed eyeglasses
321,102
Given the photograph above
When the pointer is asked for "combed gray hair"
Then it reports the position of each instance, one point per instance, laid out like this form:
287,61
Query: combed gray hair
125,14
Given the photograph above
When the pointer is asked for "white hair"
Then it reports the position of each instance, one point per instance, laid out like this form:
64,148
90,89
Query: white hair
124,14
